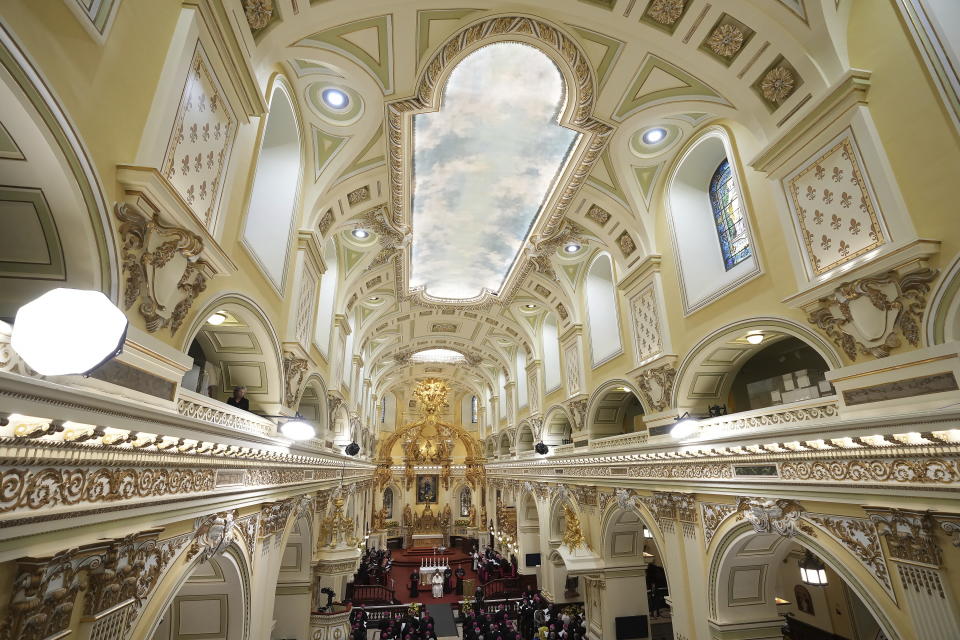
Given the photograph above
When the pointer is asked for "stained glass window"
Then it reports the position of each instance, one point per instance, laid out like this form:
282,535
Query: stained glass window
383,410
728,216
473,409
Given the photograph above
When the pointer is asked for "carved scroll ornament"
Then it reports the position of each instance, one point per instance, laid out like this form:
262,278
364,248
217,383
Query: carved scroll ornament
162,268
294,370
869,315
656,386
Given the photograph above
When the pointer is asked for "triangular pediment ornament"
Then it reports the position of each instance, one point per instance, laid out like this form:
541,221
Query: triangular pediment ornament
325,148
660,82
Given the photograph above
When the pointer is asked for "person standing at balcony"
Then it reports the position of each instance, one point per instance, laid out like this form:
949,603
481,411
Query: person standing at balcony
239,399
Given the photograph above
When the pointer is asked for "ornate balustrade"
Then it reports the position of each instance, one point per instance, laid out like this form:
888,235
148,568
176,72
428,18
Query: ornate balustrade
796,415
200,407
622,441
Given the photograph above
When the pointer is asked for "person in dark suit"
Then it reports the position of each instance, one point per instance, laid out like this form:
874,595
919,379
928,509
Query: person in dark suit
447,574
460,573
414,584
238,399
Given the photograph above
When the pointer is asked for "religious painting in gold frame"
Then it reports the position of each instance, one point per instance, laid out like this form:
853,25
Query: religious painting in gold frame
428,488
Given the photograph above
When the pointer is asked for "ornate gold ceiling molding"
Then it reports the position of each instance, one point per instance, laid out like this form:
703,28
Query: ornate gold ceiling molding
578,114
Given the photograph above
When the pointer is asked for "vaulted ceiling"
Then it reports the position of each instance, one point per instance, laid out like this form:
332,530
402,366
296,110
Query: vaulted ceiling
627,65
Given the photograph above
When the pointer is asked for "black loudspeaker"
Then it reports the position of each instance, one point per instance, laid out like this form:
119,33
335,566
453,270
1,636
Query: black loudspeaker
541,448
352,449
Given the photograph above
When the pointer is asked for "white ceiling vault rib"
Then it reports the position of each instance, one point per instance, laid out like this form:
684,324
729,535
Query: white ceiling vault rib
625,67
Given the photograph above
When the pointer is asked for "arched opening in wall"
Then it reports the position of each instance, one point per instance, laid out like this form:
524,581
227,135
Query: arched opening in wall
234,345
327,299
614,412
292,602
709,221
521,361
491,446
54,226
505,442
551,354
528,535
340,428
276,185
556,428
774,583
556,582
313,406
630,546
787,370
211,603
602,314
524,438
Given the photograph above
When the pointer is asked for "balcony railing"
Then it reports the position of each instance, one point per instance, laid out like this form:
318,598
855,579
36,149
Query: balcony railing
200,407
624,440
801,414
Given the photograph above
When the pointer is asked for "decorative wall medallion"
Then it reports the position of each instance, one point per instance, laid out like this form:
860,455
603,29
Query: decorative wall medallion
444,327
258,12
562,311
357,196
834,209
656,386
865,316
201,141
626,244
294,370
666,12
542,290
598,215
646,322
777,83
726,40
161,266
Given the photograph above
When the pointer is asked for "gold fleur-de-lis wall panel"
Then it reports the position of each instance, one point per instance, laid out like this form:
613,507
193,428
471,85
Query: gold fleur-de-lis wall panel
198,152
833,206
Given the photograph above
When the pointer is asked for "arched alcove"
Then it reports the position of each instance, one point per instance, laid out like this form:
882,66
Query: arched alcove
273,200
313,405
557,429
244,349
785,370
505,443
613,410
528,534
709,221
603,316
524,438
212,602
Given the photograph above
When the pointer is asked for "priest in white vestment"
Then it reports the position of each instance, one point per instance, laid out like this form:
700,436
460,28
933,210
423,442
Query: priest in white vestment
437,582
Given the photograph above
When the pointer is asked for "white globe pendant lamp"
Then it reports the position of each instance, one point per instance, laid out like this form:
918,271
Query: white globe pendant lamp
297,430
68,331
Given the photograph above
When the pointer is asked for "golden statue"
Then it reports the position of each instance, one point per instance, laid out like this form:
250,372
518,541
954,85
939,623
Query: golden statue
573,536
407,516
472,516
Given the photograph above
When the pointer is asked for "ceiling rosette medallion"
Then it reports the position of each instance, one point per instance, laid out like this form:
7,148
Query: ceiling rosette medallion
578,115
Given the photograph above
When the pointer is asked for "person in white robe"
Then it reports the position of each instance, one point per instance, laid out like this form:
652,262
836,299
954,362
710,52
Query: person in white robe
437,582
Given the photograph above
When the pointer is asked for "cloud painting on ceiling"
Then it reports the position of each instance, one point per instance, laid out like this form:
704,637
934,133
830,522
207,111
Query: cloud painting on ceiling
484,165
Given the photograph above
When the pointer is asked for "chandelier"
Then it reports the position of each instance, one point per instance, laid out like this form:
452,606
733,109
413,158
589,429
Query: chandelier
431,394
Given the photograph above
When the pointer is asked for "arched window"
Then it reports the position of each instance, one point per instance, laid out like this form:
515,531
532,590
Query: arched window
465,499
273,199
728,216
551,354
521,377
328,292
602,311
473,409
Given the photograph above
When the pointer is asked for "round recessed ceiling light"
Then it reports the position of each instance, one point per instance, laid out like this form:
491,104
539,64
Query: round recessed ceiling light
374,299
655,135
335,99
571,247
755,338
217,318
529,306
360,233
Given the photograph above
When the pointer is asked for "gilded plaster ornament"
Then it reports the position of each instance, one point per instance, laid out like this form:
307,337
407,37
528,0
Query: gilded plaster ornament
294,370
258,12
666,11
773,516
573,536
726,40
777,85
656,386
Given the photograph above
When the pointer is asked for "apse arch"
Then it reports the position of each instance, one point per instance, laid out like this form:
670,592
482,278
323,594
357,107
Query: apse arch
245,348
603,317
729,549
704,276
707,371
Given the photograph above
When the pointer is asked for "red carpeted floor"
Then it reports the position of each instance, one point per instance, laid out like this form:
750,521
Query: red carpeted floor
407,561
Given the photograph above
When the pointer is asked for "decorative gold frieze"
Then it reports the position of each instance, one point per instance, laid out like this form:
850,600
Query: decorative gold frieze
909,534
868,315
859,537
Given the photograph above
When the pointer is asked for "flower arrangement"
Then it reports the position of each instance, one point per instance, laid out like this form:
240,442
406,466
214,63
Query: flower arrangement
462,522
414,609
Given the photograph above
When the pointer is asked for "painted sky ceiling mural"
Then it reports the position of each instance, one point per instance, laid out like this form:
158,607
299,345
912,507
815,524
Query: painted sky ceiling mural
484,165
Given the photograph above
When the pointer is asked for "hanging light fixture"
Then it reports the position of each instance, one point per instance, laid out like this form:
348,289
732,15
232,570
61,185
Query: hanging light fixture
68,331
812,570
298,429
685,426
